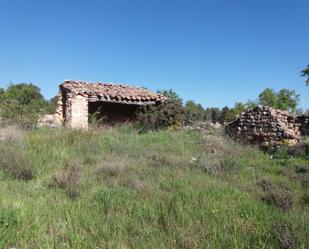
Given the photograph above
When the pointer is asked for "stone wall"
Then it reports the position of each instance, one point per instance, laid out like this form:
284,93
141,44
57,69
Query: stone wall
59,110
79,112
304,127
265,127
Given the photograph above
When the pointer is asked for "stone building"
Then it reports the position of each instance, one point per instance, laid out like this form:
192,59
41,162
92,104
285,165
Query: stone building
79,100
267,127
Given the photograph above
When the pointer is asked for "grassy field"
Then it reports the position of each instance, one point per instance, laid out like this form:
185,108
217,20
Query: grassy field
116,188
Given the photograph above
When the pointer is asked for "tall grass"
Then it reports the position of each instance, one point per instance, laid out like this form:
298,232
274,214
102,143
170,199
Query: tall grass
116,188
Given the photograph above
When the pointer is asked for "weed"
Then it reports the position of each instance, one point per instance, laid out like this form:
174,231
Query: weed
146,191
300,150
155,159
285,236
8,218
305,198
277,196
218,166
68,180
111,166
15,161
11,133
298,173
282,153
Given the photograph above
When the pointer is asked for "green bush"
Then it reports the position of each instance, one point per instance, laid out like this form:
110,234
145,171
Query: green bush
169,114
22,104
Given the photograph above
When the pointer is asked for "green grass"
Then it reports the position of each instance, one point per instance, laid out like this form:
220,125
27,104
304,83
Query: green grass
116,188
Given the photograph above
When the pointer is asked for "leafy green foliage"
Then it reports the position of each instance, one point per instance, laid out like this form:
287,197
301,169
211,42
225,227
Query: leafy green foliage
268,98
284,99
166,115
23,93
171,94
51,108
22,103
213,114
194,112
305,73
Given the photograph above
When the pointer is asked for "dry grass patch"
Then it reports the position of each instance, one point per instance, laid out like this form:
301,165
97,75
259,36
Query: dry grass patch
217,166
11,133
15,161
276,195
112,166
285,236
68,179
298,173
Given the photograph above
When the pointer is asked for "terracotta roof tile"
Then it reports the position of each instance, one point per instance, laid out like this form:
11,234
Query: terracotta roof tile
109,91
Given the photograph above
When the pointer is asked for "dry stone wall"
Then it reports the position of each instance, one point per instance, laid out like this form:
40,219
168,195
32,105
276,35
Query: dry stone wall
266,127
304,128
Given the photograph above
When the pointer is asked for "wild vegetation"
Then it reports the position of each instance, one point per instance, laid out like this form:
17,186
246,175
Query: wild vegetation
154,185
118,188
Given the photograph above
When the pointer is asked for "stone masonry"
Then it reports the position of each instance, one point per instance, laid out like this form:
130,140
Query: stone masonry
79,112
266,127
78,100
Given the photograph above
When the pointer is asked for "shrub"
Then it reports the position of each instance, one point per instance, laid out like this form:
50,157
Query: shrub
277,196
157,159
68,179
15,161
285,236
298,173
111,167
282,153
22,104
218,166
166,115
300,150
194,112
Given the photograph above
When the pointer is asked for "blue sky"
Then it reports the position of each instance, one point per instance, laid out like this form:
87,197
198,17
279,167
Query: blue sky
214,52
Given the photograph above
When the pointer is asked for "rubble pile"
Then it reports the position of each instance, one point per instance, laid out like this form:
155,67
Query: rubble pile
266,127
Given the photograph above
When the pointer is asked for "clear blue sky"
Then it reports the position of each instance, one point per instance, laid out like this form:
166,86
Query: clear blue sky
214,52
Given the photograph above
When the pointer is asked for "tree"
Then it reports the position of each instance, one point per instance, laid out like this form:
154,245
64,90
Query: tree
22,103
268,98
287,100
226,115
284,99
251,104
170,94
194,112
53,102
24,93
213,114
2,92
305,73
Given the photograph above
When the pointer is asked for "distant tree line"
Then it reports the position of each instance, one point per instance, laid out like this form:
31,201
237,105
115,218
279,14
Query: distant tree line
23,103
174,112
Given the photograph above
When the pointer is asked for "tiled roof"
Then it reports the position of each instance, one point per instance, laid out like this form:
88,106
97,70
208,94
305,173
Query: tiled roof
111,92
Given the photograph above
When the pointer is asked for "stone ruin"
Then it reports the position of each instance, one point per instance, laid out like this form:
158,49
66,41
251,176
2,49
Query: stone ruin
79,102
268,127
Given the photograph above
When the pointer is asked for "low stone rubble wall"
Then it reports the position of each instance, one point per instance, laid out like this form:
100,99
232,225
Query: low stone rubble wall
304,125
266,127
